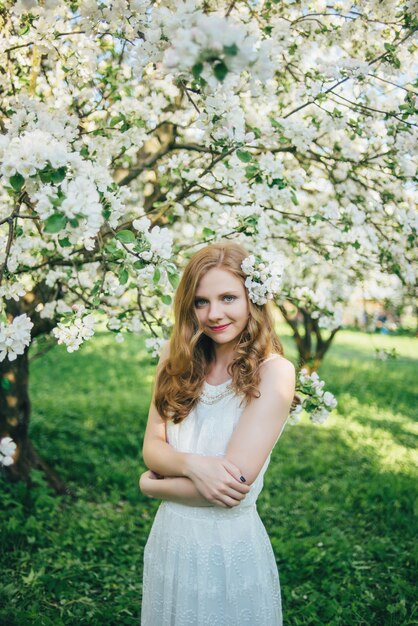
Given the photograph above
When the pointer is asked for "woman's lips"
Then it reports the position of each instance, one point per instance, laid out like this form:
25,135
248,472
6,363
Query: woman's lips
218,328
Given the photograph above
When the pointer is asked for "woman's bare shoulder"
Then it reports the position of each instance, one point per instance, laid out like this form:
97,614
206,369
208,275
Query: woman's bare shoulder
277,365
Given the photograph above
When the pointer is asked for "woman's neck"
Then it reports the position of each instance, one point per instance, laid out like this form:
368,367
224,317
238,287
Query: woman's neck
223,356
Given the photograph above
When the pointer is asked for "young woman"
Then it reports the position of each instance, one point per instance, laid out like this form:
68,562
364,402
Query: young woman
222,395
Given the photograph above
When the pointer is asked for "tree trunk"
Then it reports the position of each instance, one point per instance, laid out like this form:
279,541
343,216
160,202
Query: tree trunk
15,401
311,353
14,422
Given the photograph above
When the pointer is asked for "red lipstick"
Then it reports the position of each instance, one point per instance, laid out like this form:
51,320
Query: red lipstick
219,328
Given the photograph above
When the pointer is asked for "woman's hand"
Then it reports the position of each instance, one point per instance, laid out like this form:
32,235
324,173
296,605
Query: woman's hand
217,479
145,481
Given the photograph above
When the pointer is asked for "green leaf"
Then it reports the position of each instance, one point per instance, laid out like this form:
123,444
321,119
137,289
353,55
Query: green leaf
251,170
220,70
17,181
74,222
173,276
64,243
208,232
231,51
244,156
125,236
138,265
55,223
6,384
166,299
45,175
278,182
197,69
57,176
123,276
96,287
157,276
276,124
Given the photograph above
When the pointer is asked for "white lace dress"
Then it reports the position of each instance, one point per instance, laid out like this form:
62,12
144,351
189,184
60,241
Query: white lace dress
210,565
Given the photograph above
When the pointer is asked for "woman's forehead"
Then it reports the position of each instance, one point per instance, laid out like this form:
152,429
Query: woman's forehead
218,280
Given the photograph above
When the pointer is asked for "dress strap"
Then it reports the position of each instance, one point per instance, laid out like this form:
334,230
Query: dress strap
272,356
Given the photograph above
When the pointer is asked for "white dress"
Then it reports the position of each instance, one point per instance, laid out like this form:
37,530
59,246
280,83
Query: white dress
210,566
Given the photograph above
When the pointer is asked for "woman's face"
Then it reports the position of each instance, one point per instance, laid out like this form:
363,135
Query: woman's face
221,305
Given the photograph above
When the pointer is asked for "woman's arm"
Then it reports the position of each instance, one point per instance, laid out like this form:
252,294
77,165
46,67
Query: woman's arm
157,453
218,479
173,489
263,419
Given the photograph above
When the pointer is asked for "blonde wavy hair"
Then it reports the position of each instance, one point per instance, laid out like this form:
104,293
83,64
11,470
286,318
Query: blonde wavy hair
180,380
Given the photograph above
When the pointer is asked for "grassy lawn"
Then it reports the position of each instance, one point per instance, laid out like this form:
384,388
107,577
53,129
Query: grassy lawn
338,501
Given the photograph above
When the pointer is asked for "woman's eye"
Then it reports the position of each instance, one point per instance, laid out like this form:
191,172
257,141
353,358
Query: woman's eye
201,302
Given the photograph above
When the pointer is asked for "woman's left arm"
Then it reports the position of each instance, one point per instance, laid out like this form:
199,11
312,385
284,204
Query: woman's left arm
263,419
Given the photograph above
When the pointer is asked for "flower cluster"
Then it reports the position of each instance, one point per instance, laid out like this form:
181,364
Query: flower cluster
154,345
71,193
15,337
12,291
264,276
315,402
159,241
77,329
7,450
30,152
211,46
384,354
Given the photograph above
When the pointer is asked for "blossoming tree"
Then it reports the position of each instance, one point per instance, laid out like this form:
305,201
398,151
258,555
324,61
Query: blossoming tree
134,131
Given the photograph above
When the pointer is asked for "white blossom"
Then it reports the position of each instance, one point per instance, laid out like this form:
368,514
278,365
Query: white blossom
15,337
7,450
75,333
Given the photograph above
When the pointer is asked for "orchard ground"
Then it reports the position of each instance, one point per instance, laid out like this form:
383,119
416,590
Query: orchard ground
337,504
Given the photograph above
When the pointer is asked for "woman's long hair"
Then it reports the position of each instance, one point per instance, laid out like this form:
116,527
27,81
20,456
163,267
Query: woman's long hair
180,380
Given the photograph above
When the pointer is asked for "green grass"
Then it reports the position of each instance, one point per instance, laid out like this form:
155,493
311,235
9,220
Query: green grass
338,501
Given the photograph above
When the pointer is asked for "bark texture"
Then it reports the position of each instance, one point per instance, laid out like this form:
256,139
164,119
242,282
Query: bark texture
15,406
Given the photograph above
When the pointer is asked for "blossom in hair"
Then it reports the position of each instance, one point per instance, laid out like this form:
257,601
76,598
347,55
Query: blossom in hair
264,276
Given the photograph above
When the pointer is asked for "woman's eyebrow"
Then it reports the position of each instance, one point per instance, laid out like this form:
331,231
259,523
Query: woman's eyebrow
225,293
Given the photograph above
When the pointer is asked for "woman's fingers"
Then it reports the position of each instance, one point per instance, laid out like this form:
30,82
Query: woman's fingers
234,471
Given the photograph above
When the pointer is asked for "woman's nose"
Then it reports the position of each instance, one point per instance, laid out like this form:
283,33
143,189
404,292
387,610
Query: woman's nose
215,312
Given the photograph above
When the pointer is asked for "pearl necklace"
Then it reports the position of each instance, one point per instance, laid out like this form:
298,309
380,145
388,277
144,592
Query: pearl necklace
212,398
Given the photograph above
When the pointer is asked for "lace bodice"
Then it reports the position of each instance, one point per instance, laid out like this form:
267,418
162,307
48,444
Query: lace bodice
209,426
